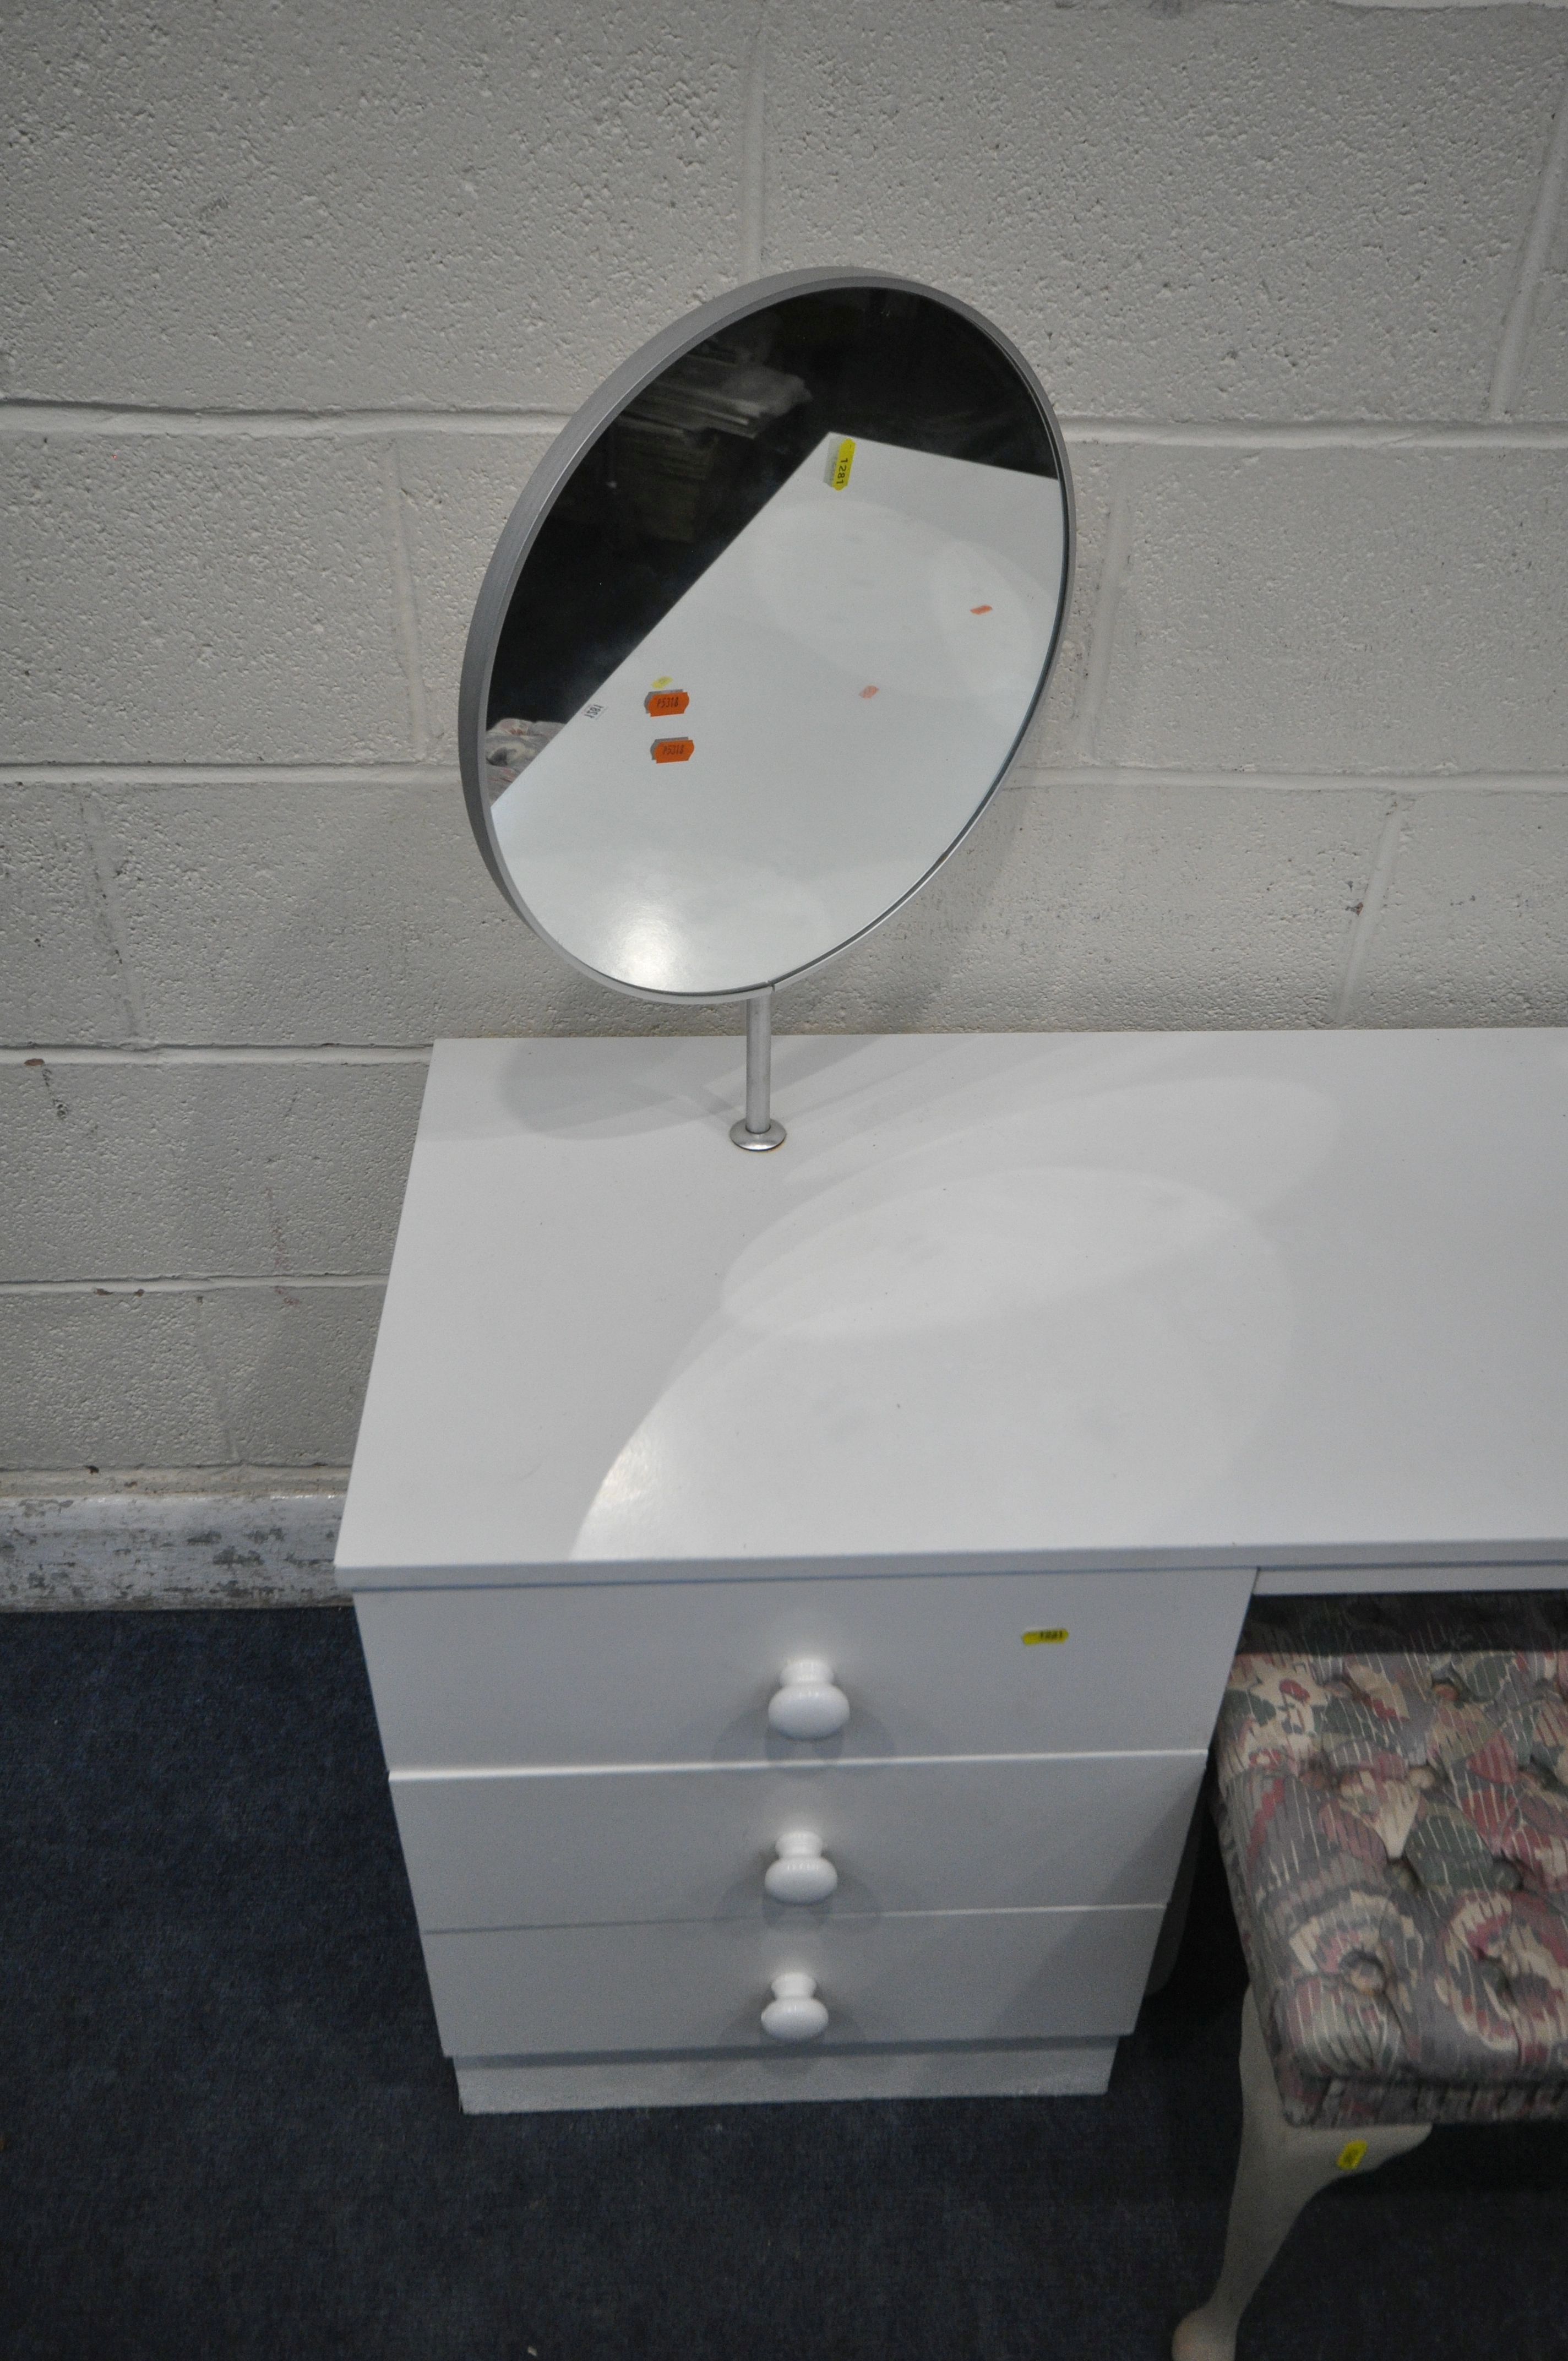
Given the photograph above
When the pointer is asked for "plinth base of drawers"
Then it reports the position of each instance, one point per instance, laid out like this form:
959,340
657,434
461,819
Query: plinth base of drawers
1025,2069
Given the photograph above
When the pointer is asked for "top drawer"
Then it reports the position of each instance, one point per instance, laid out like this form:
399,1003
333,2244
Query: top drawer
682,1672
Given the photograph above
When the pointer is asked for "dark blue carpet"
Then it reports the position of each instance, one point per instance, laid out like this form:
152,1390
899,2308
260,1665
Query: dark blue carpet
229,2132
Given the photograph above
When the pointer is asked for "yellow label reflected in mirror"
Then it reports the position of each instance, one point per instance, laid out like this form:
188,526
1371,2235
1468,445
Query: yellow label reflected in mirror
1044,1638
842,461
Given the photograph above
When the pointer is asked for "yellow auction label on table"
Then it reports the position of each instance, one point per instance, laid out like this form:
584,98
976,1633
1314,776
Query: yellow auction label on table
1352,2154
1044,1638
838,467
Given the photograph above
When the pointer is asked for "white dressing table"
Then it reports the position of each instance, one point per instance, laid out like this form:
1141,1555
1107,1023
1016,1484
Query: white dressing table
959,1431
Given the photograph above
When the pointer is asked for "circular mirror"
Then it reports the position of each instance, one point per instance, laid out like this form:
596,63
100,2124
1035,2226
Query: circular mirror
764,631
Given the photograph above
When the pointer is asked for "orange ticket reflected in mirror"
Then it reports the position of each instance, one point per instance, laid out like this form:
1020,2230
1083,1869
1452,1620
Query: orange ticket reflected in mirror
661,701
672,749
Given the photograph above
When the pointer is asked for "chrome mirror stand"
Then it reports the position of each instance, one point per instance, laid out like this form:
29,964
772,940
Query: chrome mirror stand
757,1128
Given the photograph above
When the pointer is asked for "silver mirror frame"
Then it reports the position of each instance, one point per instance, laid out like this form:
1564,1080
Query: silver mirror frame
549,479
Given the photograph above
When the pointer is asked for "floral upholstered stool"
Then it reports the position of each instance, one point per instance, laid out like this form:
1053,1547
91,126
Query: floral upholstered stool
1395,1828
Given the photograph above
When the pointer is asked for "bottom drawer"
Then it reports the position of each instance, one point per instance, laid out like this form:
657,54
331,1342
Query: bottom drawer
950,1975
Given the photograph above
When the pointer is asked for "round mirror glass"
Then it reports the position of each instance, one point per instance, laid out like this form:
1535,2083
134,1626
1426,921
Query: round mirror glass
764,631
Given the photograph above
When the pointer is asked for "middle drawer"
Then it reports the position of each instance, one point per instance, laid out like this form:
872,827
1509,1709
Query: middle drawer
598,1848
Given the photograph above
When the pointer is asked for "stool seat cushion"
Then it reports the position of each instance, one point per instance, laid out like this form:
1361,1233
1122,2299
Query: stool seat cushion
1395,1830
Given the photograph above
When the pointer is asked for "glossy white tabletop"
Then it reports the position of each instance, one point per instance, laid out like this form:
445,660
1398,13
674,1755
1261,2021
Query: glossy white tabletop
1002,1301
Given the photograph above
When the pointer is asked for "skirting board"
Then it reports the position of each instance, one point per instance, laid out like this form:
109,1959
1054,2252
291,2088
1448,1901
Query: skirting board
143,1545
1033,2069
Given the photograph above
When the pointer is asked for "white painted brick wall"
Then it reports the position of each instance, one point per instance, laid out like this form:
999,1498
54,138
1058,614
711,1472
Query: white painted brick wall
1473,915
293,300
457,492
372,204
177,1168
206,600
1342,610
1075,904
1276,211
265,1376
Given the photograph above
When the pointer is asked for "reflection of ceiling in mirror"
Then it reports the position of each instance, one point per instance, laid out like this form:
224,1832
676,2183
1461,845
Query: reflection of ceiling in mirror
857,665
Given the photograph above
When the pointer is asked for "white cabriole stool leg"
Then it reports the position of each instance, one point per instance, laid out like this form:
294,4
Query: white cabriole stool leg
1280,2167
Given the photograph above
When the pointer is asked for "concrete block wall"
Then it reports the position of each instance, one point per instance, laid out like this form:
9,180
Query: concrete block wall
295,298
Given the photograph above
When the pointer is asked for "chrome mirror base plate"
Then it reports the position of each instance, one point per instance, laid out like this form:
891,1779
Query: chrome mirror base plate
773,1137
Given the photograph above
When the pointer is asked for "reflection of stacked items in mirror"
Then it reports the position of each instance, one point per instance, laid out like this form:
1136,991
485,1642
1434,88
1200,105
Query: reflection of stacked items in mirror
510,747
667,441
709,388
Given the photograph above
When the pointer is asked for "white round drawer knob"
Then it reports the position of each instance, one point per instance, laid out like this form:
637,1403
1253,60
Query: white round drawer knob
795,2013
801,1871
806,1704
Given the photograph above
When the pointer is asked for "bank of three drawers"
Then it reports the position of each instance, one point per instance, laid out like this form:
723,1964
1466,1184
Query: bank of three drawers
590,1795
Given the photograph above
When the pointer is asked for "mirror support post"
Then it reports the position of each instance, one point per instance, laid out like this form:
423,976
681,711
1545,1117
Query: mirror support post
759,1129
